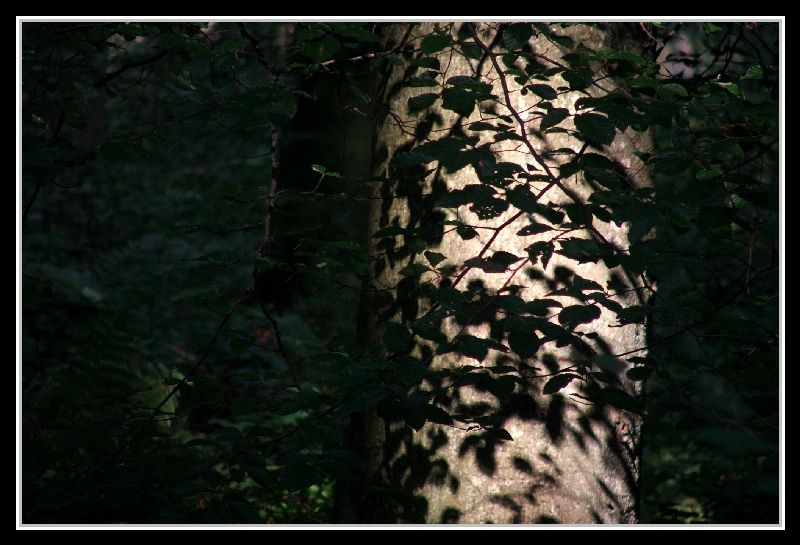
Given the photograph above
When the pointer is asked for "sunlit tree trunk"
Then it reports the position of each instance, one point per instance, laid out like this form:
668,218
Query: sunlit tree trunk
569,461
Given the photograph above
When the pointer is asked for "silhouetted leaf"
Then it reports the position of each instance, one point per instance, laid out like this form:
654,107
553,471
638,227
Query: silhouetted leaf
670,91
480,88
541,249
426,62
458,100
420,102
434,258
558,382
502,387
396,337
544,91
517,35
438,415
410,158
466,232
580,249
596,128
435,42
521,197
620,399
497,263
639,373
534,229
578,80
553,117
525,345
413,270
574,315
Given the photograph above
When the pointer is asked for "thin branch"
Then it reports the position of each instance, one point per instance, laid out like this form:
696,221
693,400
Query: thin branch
201,359
129,66
683,330
672,34
256,47
39,182
555,180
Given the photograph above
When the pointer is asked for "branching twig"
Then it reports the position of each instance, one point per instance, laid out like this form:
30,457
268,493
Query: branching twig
200,360
705,320
128,66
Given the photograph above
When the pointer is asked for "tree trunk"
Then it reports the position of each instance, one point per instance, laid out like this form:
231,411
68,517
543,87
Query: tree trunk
570,460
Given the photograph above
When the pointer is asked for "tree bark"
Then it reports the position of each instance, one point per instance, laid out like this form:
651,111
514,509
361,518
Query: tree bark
569,461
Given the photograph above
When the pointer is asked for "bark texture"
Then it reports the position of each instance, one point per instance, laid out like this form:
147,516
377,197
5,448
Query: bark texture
569,462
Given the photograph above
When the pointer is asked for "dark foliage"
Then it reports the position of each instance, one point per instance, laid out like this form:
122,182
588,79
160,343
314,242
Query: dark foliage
194,200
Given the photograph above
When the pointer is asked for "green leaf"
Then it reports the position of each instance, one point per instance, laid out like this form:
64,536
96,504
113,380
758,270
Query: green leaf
414,414
541,307
517,35
478,87
574,315
321,50
608,363
558,382
707,173
671,91
429,327
501,433
434,258
409,371
427,79
673,163
466,232
544,91
754,72
522,198
435,42
420,102
426,62
542,248
578,214
644,83
260,476
472,347
553,117
489,208
396,337
390,231
471,51
499,262
458,100
410,158
563,41
482,126
502,387
732,88
627,56
595,127
471,193
578,80
438,415
534,229
620,399
524,345
639,373
413,270
581,250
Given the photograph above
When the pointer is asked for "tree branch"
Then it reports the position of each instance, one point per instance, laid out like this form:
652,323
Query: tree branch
129,66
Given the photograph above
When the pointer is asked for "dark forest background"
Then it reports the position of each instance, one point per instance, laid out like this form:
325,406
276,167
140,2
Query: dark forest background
148,150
